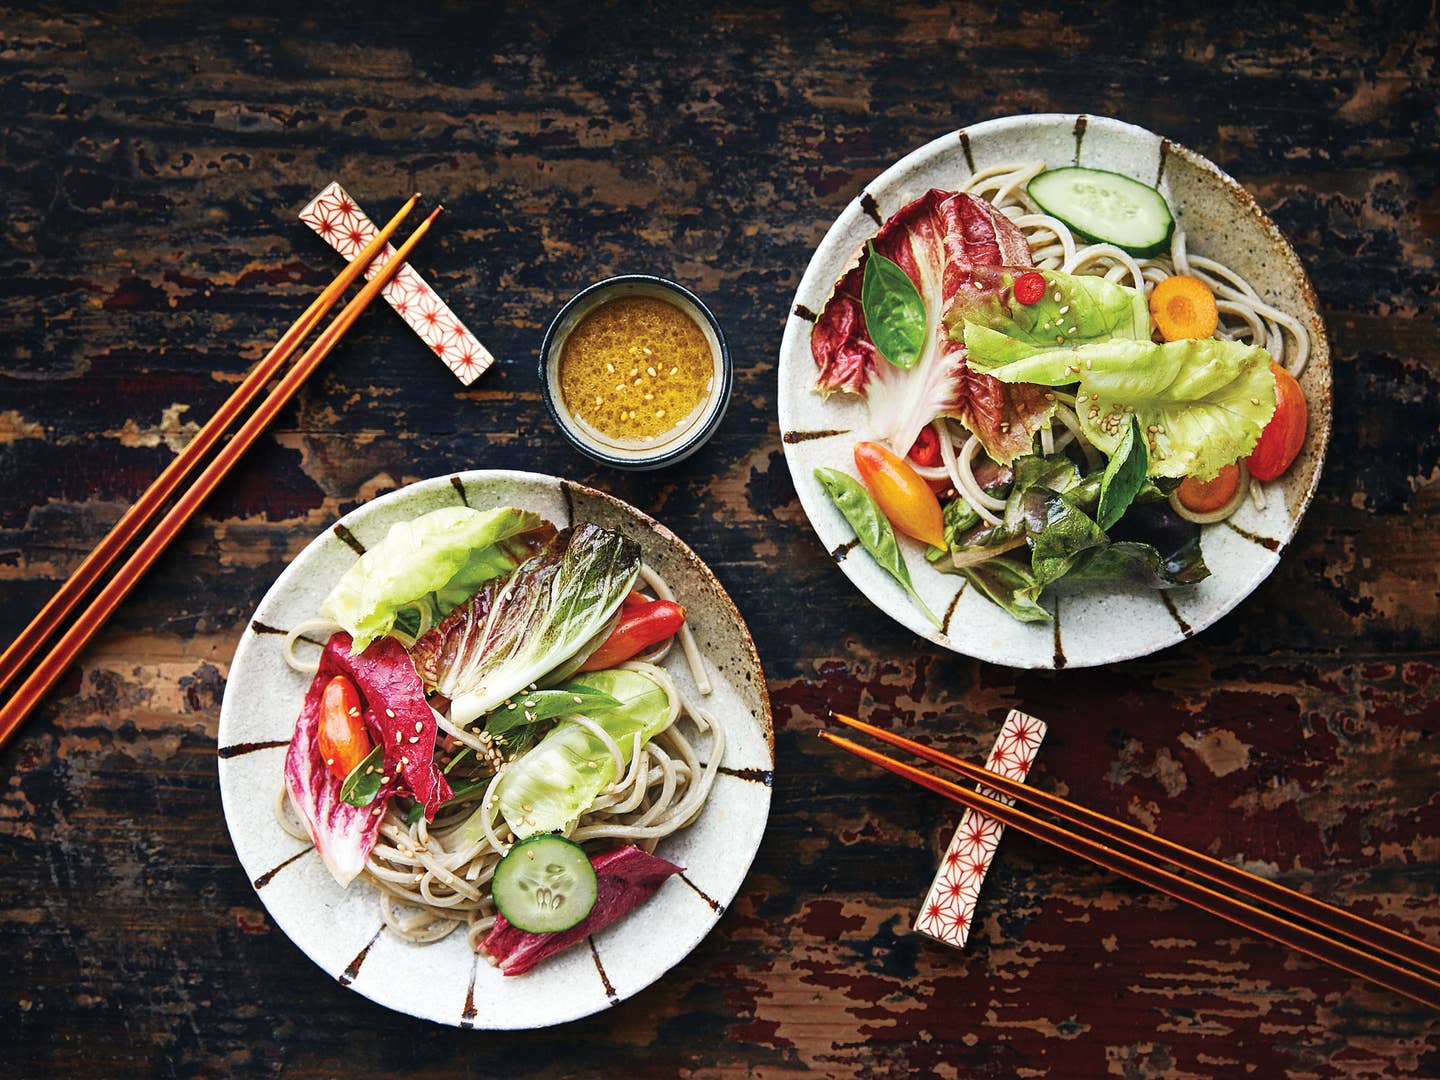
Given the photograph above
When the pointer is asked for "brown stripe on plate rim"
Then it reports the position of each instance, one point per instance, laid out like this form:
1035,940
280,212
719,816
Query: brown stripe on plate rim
349,539
1185,628
459,487
468,1014
352,970
1059,660
1269,543
805,313
1164,154
1081,122
950,611
965,147
793,437
569,496
715,905
265,628
269,875
871,207
599,967
236,749
755,776
841,550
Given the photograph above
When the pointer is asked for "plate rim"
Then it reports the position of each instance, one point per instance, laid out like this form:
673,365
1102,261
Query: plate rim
567,490
958,140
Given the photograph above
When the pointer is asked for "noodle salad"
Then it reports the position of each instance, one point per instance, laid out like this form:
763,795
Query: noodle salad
489,738
1058,389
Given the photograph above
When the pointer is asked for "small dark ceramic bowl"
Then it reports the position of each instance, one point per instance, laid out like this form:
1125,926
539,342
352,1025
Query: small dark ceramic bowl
676,447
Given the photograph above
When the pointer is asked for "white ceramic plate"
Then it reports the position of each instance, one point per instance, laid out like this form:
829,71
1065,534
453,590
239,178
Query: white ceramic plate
1095,624
340,929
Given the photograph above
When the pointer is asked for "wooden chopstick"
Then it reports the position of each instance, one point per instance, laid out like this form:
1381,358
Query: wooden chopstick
1420,982
1406,949
93,617
128,528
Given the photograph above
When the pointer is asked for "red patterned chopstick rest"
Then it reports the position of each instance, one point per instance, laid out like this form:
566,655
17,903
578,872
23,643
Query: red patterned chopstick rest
949,906
340,222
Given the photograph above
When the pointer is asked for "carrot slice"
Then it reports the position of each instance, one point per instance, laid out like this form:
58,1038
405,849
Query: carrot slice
1183,307
1207,496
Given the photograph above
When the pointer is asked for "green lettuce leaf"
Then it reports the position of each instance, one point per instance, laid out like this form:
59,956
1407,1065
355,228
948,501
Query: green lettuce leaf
1008,582
553,784
1201,404
439,559
1075,309
1123,477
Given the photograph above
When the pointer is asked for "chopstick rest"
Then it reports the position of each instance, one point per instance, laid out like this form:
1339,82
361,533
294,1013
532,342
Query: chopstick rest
340,222
949,906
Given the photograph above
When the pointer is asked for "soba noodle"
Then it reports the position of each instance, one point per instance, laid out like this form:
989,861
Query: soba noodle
433,876
1244,316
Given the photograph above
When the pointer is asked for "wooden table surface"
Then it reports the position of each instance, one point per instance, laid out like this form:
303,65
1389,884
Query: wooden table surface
151,171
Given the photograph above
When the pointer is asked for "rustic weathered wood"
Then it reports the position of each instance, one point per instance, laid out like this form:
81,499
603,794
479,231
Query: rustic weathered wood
151,167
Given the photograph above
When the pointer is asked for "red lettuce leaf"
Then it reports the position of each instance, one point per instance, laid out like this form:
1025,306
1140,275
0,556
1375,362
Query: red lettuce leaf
397,717
625,878
951,246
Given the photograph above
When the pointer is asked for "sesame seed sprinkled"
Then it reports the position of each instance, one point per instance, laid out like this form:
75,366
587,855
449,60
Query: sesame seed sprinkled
353,711
1072,329
398,736
577,699
419,727
1065,309
659,414
1254,401
674,371
329,761
1057,296
390,713
414,738
650,371
384,779
610,368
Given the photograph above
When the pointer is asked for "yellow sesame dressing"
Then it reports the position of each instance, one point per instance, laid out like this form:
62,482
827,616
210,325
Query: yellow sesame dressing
635,368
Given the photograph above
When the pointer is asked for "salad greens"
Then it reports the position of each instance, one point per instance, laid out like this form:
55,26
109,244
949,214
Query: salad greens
951,247
435,560
557,606
1201,403
554,783
893,310
539,705
363,783
872,529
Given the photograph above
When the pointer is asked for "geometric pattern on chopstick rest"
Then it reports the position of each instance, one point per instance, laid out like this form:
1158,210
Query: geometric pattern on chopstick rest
345,227
949,906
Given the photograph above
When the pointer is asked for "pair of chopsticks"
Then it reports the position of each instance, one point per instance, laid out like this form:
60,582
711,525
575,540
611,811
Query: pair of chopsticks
43,628
1348,941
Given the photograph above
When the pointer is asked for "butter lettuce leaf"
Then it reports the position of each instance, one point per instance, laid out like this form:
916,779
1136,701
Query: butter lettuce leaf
437,559
555,782
1200,404
1076,309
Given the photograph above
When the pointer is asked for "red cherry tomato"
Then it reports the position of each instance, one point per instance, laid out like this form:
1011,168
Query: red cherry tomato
926,450
344,742
1030,288
1284,435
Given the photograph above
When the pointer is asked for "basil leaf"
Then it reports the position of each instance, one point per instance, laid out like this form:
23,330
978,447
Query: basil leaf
565,700
894,311
363,783
1123,477
872,529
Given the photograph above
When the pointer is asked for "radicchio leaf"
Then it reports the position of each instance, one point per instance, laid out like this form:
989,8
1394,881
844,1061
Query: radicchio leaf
950,245
398,719
624,878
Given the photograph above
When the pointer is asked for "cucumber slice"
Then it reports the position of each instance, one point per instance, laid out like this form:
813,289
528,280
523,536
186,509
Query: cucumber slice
544,883
1105,207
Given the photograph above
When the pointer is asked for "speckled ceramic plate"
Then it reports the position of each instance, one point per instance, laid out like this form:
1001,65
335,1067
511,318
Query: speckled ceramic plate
1095,624
340,929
